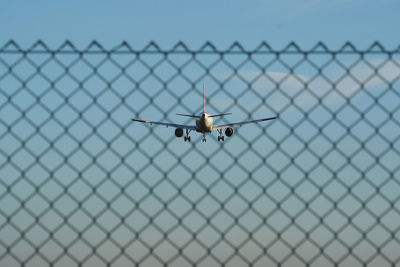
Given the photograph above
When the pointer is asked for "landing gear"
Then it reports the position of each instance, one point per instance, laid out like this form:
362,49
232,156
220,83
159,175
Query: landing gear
220,137
204,138
187,137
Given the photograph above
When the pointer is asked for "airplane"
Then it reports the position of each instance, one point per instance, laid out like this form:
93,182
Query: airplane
204,124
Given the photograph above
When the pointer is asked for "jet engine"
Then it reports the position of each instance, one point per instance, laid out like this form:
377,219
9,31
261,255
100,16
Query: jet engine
229,131
178,132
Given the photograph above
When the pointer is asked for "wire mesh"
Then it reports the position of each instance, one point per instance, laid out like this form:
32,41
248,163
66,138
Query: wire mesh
80,184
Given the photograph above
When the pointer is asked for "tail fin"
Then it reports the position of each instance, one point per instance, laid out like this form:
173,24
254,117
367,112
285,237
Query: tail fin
204,99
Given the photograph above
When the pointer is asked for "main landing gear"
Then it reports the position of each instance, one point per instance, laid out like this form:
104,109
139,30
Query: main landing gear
187,137
220,137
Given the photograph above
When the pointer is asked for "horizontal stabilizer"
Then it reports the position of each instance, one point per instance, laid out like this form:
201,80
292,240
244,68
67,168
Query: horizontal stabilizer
219,115
189,115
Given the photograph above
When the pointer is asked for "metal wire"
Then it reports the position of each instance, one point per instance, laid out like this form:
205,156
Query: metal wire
82,185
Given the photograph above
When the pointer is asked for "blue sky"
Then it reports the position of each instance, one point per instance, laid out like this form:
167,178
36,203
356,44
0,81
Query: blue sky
194,22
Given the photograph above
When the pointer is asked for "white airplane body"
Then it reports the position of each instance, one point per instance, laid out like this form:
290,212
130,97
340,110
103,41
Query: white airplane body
204,124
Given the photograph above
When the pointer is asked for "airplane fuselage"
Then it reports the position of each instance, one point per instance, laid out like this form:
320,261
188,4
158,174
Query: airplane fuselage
204,124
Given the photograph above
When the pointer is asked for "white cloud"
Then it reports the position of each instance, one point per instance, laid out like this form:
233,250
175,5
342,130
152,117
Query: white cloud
336,87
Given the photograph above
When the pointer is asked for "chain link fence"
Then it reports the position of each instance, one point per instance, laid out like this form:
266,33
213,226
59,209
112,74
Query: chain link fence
80,184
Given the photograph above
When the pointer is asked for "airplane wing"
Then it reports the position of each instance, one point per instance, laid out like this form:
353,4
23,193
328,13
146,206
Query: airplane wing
189,127
217,127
